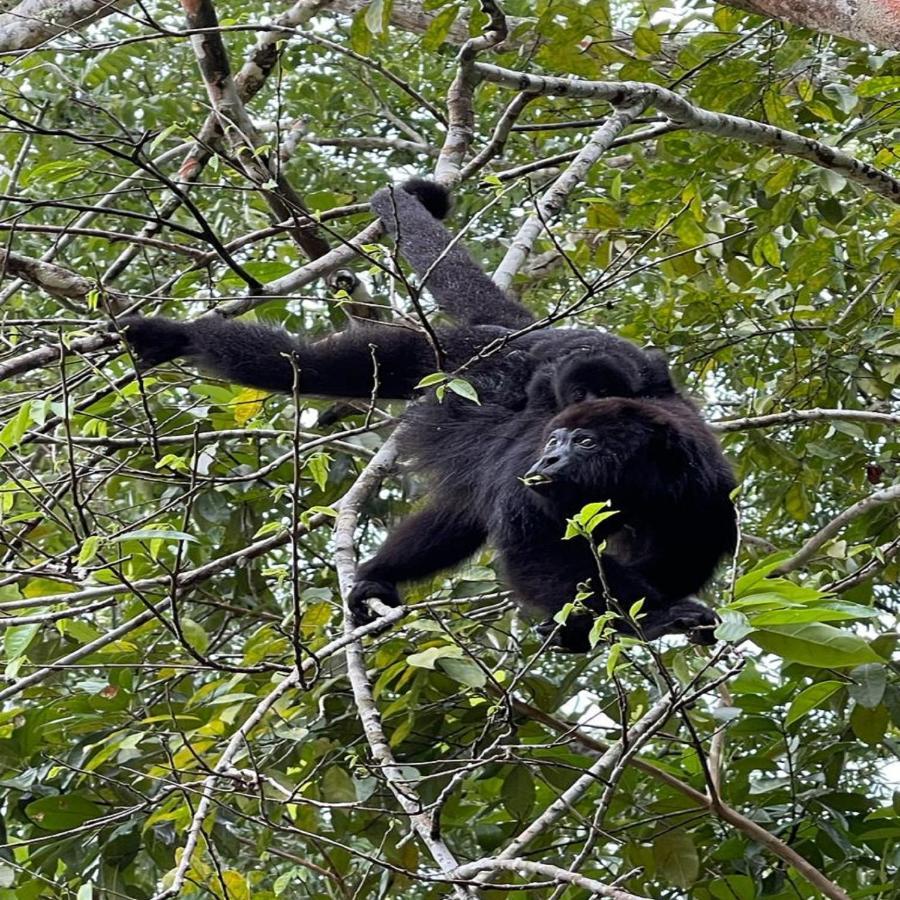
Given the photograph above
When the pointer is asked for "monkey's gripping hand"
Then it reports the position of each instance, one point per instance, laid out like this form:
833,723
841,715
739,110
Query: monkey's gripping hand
156,340
370,590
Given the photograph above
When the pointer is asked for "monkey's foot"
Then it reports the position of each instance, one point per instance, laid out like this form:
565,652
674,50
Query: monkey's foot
687,616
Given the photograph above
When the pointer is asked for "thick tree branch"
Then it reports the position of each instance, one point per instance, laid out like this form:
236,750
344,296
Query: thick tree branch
685,114
833,528
239,130
34,21
869,21
544,870
555,196
345,563
793,416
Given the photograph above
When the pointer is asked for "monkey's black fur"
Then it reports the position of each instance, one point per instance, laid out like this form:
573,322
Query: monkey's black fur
651,453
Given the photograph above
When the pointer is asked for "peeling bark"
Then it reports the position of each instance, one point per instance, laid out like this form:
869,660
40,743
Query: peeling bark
34,21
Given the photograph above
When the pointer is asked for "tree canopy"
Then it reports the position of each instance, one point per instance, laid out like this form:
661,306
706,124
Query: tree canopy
185,710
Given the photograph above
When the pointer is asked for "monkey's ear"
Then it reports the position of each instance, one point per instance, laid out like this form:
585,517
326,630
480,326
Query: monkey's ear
656,379
433,196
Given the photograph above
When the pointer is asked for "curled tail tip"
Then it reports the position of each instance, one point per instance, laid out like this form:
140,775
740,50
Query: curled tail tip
433,196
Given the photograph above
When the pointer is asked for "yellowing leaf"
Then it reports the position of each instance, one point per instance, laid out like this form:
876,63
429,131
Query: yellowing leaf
248,404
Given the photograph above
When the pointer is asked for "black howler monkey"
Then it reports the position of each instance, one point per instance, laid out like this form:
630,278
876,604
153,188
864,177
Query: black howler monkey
588,414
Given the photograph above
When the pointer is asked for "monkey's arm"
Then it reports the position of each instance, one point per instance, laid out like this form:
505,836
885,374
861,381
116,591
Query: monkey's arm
426,542
456,282
347,364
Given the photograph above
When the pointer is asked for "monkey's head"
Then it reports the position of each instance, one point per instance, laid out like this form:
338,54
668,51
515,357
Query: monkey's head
596,376
598,448
581,378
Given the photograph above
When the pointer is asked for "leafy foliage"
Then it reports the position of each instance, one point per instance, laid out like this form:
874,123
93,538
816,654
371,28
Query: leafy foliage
152,594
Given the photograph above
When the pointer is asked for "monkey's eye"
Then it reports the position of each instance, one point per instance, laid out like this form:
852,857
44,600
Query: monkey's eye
579,394
552,441
585,441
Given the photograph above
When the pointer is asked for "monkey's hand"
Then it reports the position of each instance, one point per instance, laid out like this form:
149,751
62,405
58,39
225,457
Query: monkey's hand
156,340
370,590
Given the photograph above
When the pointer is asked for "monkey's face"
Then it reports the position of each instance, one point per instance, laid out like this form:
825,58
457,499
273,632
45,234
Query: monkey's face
590,449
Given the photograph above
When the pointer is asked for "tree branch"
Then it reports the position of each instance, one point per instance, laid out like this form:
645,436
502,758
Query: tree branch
825,534
555,196
684,113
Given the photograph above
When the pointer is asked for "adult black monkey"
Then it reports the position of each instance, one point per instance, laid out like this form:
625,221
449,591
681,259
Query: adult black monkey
653,456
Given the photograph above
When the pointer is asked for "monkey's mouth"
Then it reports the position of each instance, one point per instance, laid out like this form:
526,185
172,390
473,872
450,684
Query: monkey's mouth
538,481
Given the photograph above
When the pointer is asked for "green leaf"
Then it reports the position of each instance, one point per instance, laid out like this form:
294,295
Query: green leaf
815,645
587,519
195,634
62,812
613,658
440,26
602,215
427,659
88,549
518,792
647,41
835,611
16,639
868,685
236,886
160,139
465,671
767,249
378,16
318,466
869,725
432,379
57,172
734,626
676,858
843,95
810,698
871,87
146,534
361,40
464,389
337,786
15,428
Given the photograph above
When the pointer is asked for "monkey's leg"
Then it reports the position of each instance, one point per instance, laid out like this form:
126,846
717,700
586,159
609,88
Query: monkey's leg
426,542
391,359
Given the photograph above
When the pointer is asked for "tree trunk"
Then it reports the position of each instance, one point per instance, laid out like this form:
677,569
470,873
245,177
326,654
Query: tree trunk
870,21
